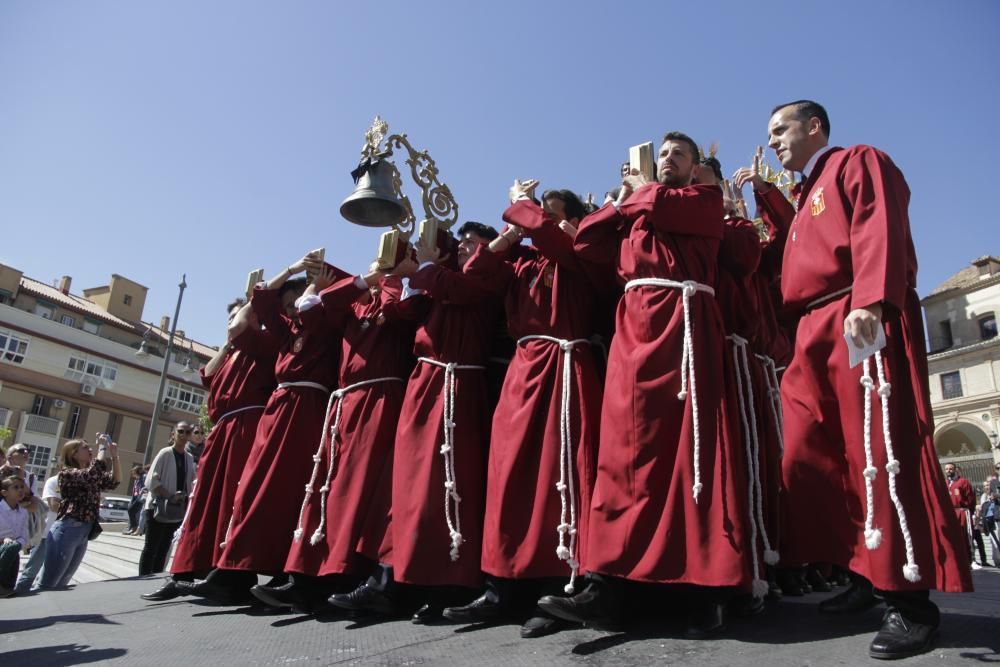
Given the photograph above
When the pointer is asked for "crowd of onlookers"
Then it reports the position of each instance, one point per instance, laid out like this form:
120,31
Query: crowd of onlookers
52,521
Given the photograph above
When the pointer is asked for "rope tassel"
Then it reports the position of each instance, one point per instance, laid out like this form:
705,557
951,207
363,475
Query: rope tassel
873,536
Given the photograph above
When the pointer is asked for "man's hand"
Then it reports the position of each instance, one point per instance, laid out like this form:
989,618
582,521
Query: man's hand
568,228
863,324
323,278
522,189
630,183
8,540
405,268
745,175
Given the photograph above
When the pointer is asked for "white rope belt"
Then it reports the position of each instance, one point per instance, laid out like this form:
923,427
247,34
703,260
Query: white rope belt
826,298
329,436
748,414
688,289
239,410
774,399
566,468
304,383
451,497
873,536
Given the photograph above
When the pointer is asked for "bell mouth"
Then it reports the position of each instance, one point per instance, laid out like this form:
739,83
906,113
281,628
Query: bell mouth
366,209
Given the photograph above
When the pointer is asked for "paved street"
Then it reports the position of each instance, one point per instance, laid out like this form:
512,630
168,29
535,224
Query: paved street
107,622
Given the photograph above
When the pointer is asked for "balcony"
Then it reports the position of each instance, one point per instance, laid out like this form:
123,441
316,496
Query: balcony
42,425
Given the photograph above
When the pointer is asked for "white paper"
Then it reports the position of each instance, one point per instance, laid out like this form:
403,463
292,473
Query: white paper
858,354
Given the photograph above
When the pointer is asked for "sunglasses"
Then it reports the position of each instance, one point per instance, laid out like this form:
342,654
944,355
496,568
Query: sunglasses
183,430
196,432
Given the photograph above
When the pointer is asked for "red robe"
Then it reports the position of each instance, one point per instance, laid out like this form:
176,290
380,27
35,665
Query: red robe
963,499
377,344
244,379
645,523
852,228
267,503
549,294
776,335
457,329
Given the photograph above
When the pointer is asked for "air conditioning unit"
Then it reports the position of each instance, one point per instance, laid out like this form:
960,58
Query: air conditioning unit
88,388
59,404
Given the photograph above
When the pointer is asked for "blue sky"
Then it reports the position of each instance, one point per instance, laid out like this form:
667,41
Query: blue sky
151,139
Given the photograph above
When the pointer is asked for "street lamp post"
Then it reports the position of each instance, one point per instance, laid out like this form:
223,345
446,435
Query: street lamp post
158,404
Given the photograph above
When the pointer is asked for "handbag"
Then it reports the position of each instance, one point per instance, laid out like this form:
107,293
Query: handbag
95,530
168,510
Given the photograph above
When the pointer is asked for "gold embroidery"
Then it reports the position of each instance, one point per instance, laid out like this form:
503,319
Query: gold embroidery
818,204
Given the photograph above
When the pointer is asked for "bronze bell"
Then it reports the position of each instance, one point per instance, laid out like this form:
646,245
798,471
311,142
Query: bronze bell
373,202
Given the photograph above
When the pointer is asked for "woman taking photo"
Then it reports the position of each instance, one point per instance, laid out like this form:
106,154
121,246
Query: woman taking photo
81,481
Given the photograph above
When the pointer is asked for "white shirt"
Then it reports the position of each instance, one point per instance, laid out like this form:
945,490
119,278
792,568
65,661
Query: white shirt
813,160
13,523
51,490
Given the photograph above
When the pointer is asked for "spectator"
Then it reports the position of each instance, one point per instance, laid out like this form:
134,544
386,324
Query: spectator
143,494
81,481
170,482
50,496
17,456
3,458
136,484
13,529
196,445
988,513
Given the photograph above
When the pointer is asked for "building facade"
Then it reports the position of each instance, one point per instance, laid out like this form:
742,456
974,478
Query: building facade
73,366
964,368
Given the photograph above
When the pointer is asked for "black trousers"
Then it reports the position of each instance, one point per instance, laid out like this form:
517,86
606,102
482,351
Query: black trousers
157,546
134,508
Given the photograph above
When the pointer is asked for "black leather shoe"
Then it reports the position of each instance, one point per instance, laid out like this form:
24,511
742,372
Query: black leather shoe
542,626
788,582
288,596
480,610
364,598
168,591
745,606
586,607
817,581
707,622
215,592
901,638
429,613
854,599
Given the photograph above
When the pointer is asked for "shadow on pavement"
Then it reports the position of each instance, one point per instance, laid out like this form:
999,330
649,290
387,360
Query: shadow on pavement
25,624
64,654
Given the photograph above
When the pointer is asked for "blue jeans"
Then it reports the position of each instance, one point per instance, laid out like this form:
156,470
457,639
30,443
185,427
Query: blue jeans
67,543
31,568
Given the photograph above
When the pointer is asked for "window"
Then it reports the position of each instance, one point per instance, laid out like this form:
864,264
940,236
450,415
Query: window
945,341
90,326
81,367
114,426
988,327
184,397
140,445
4,416
6,297
951,385
68,320
44,310
39,458
13,347
74,421
41,405
128,299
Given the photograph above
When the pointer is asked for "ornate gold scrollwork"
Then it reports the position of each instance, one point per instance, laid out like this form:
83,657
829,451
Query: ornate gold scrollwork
438,203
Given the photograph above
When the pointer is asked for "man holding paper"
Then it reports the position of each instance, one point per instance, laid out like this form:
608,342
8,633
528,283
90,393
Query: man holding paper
859,452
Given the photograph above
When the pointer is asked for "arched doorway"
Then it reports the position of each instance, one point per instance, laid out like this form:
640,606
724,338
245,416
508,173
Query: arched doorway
968,446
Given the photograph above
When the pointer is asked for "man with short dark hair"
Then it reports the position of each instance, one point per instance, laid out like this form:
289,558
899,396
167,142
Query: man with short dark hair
668,469
858,441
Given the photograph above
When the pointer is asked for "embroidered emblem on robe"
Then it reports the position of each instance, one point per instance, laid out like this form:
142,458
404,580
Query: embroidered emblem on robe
818,204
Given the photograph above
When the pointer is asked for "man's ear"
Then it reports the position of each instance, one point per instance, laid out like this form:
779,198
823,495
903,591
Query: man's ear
815,126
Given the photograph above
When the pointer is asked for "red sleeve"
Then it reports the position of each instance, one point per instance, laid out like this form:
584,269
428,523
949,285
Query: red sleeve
206,380
877,198
266,304
552,242
316,320
739,252
395,307
597,236
260,345
484,276
777,214
695,210
338,299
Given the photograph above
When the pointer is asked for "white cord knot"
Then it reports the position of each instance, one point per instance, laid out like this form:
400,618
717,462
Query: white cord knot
911,572
871,472
561,486
324,489
309,489
566,346
867,383
563,527
562,552
297,534
451,367
885,390
316,459
771,557
873,538
316,538
445,449
690,288
759,588
569,588
339,393
449,485
450,424
892,467
682,394
697,490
